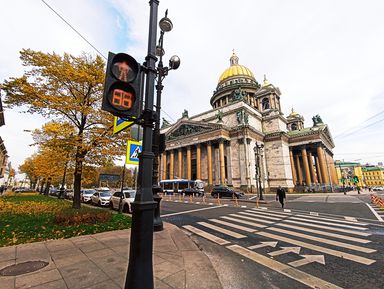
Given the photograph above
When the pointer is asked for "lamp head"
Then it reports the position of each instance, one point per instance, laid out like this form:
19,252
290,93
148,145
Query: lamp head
160,51
165,23
174,62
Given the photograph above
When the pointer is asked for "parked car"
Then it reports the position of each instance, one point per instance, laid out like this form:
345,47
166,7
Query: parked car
127,197
53,192
101,198
86,194
192,191
225,192
69,194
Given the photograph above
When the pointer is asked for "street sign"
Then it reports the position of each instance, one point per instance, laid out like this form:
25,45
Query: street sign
134,148
120,123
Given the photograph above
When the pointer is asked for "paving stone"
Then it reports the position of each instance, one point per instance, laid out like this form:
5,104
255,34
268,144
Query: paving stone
32,252
161,285
67,257
89,245
165,269
7,282
57,284
112,265
83,274
7,253
172,258
176,280
101,253
34,279
60,245
104,285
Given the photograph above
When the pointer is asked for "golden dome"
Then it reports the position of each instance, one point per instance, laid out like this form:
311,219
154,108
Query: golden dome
293,113
235,70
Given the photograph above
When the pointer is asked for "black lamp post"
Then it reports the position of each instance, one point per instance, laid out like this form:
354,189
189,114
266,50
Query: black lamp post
174,63
140,266
258,150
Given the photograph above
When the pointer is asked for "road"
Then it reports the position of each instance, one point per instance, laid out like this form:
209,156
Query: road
317,241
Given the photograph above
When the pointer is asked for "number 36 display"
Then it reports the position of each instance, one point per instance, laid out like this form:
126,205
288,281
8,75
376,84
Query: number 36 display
122,86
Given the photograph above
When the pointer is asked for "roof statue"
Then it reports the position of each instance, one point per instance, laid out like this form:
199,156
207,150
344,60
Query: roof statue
317,120
165,124
219,116
185,114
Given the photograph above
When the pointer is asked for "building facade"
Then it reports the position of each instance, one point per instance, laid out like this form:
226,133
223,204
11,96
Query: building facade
245,140
373,176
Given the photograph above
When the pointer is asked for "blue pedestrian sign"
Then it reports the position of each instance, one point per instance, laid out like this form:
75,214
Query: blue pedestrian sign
134,148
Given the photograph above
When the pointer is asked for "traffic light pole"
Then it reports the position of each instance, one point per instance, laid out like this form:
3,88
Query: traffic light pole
140,267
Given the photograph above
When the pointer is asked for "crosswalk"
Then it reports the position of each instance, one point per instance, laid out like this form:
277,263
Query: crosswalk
287,233
377,211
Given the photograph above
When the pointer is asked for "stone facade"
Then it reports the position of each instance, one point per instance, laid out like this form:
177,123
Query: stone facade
245,141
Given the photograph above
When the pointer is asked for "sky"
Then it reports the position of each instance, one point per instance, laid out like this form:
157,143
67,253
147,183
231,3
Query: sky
327,57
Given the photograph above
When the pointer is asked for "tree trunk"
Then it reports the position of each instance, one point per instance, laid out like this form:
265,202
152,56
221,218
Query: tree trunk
77,178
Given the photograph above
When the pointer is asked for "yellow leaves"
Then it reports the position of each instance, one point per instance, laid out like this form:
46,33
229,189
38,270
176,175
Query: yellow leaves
28,207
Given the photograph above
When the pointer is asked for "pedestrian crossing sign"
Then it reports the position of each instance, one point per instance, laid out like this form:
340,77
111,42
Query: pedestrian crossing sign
134,148
120,123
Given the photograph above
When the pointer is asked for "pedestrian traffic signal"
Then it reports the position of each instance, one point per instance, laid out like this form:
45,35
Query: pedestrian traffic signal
122,86
355,179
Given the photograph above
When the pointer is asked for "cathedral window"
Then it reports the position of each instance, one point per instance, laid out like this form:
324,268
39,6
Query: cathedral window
294,126
265,103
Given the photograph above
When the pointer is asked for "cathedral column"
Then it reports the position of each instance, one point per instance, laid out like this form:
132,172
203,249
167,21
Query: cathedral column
198,161
164,165
306,167
180,163
209,166
299,175
171,164
222,162
318,173
293,167
311,169
323,168
189,175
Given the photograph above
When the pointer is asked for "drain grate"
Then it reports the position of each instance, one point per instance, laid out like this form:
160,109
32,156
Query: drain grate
23,268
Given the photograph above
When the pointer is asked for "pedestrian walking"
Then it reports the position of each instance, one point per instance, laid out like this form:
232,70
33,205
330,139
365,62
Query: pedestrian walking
280,196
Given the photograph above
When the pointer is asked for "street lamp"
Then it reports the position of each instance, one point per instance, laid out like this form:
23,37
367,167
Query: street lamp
165,25
140,266
258,150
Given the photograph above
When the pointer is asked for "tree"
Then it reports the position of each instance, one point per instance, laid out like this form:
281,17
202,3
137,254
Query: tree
68,89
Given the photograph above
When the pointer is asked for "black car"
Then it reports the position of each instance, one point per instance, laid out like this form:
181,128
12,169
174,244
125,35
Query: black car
192,192
225,192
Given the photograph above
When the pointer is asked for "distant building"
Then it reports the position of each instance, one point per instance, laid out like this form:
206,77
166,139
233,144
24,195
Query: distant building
347,173
245,138
373,176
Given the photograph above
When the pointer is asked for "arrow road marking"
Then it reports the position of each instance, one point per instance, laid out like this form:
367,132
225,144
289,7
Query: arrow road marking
285,250
263,244
293,273
308,259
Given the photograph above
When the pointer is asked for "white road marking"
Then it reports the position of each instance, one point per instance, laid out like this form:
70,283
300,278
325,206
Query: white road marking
334,220
243,222
263,244
197,203
308,259
328,228
285,250
343,237
206,235
210,204
375,213
243,206
293,273
246,229
287,210
263,208
251,219
323,240
327,223
313,213
190,211
271,212
336,253
222,230
351,219
260,216
251,198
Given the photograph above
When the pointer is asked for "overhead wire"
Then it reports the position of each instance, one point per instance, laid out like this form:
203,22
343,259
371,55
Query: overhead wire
83,37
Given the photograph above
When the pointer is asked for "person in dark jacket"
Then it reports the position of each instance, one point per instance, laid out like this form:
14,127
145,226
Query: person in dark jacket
280,195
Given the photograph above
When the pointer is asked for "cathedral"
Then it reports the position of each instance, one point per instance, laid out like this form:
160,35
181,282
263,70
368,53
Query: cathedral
246,142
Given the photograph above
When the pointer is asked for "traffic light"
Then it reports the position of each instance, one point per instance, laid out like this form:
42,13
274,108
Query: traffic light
122,86
355,179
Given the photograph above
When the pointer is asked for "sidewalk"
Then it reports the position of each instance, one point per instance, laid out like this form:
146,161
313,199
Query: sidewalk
100,261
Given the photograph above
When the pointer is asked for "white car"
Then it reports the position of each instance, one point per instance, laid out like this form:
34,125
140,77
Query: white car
101,198
86,195
127,197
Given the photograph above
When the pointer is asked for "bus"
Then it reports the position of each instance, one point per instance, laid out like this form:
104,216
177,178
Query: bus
178,185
